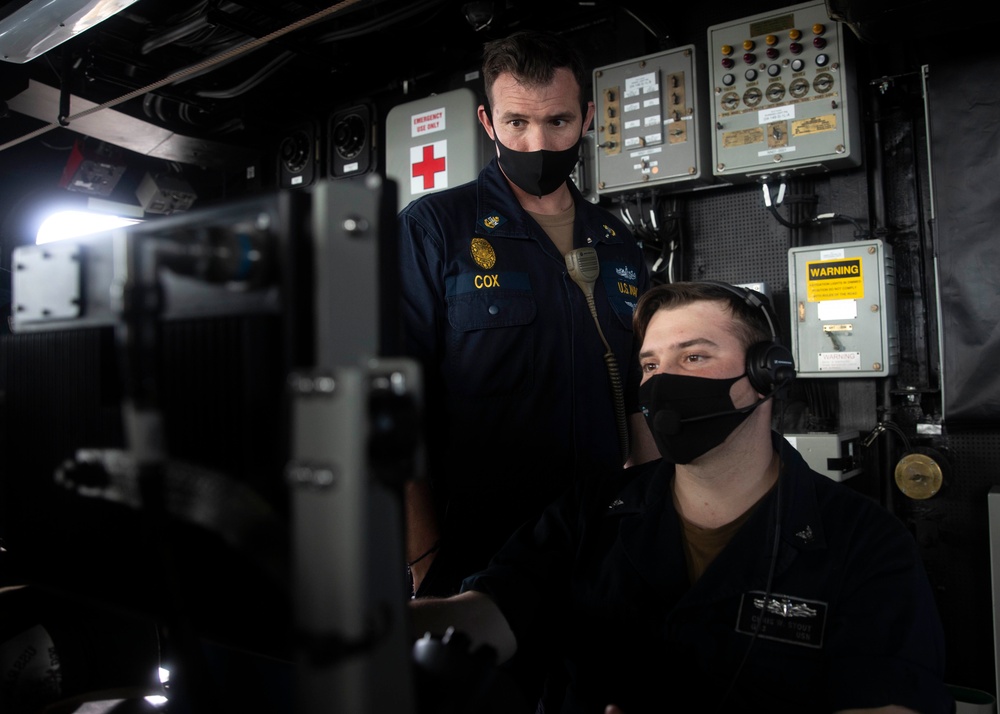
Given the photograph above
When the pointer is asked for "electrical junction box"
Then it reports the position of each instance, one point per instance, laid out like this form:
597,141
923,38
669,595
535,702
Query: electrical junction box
435,143
162,193
843,305
647,117
785,96
93,170
836,456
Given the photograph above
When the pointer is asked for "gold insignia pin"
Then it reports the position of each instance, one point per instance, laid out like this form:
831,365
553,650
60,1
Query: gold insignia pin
482,253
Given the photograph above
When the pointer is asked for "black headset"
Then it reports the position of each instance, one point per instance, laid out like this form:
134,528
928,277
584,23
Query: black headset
770,365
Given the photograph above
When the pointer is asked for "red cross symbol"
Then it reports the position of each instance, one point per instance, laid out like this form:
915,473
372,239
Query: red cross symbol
428,167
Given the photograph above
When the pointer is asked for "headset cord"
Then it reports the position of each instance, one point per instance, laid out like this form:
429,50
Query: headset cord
767,593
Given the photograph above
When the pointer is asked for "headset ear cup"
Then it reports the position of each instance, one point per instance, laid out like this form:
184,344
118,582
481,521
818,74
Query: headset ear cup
781,366
769,367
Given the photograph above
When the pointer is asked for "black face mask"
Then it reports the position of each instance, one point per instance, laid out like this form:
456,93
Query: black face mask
689,416
538,172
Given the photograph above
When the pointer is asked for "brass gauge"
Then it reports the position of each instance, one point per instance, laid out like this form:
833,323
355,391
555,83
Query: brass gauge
919,475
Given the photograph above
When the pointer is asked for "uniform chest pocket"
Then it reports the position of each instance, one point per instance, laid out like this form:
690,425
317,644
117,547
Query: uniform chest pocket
490,308
490,347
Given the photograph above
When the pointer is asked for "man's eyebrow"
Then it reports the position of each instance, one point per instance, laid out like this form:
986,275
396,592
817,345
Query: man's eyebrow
520,116
508,114
681,346
696,341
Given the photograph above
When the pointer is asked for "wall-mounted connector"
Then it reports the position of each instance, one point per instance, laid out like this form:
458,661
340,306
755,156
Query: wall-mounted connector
836,456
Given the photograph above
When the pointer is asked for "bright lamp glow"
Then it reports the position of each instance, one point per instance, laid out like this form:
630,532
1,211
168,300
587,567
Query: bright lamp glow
72,224
43,24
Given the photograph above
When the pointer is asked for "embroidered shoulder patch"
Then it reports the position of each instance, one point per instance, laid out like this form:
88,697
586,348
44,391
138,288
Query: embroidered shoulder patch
785,618
621,282
493,221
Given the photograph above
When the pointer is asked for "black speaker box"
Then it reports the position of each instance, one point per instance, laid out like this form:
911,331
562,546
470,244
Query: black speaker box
350,140
298,155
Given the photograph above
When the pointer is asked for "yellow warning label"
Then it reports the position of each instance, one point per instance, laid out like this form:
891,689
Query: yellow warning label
815,125
744,137
834,280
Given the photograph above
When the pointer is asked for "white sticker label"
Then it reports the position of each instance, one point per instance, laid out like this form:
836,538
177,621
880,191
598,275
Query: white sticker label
840,361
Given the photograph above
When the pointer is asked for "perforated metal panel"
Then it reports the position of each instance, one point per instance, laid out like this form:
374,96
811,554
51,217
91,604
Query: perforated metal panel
732,237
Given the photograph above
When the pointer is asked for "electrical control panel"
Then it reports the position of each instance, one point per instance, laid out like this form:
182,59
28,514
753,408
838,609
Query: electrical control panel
784,95
648,112
843,304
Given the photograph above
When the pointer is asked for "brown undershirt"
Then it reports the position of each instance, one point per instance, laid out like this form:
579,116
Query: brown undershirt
558,227
702,545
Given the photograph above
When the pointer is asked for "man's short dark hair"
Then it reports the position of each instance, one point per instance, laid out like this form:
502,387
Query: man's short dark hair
752,323
532,57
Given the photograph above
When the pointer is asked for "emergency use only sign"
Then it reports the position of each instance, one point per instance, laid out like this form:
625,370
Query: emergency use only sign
428,162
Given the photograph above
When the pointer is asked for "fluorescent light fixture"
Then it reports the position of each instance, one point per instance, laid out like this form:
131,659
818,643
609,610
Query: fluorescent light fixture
39,25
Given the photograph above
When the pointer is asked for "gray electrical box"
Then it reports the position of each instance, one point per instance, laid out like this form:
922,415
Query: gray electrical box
648,113
785,98
165,194
843,304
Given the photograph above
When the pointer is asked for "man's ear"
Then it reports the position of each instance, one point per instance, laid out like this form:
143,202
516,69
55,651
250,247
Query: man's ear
588,117
486,121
